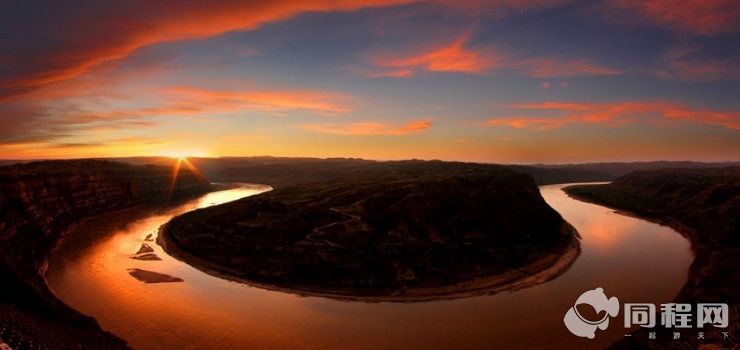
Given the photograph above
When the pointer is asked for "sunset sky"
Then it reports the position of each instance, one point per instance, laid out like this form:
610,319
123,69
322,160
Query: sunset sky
506,81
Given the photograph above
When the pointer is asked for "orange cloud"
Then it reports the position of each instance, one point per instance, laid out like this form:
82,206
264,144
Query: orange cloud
457,58
37,123
454,57
699,16
614,115
371,128
112,147
60,50
197,100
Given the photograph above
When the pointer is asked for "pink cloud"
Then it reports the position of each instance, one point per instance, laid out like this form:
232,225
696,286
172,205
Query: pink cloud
371,128
455,57
52,49
189,102
707,17
192,99
614,115
55,50
51,119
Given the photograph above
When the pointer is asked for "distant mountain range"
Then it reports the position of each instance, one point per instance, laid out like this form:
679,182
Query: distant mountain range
279,171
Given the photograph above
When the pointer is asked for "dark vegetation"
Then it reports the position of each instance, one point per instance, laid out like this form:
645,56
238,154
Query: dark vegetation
381,227
39,202
282,171
702,204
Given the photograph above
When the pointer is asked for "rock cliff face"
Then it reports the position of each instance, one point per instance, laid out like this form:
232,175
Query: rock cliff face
411,229
39,202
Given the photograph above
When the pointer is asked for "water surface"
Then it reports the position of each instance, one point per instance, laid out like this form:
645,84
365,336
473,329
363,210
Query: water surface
630,258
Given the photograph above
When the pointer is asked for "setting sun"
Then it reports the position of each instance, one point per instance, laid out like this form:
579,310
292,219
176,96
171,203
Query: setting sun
184,154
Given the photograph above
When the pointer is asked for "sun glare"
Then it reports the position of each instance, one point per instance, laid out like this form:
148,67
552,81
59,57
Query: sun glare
181,160
183,155
178,156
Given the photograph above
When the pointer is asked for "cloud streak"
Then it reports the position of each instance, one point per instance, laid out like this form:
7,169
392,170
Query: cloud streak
453,57
42,47
614,115
371,128
456,57
706,17
191,100
38,122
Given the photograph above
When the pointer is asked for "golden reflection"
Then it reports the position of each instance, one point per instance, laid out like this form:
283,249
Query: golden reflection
608,232
208,312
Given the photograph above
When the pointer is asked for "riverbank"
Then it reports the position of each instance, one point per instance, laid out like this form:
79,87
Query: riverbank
704,206
41,202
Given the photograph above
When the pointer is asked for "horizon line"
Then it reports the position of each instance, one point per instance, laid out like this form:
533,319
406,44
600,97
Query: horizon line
26,160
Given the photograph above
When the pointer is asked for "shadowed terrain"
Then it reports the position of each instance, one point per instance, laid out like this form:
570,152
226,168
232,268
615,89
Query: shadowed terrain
40,202
702,204
408,228
283,171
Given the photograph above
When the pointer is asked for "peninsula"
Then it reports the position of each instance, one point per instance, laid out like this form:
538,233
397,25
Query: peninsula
398,231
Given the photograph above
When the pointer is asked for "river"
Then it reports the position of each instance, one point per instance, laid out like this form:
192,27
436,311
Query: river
633,259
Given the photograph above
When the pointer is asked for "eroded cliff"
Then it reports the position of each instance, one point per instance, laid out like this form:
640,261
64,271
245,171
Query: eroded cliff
39,202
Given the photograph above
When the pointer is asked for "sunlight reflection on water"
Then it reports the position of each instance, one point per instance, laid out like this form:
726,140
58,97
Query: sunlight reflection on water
631,258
